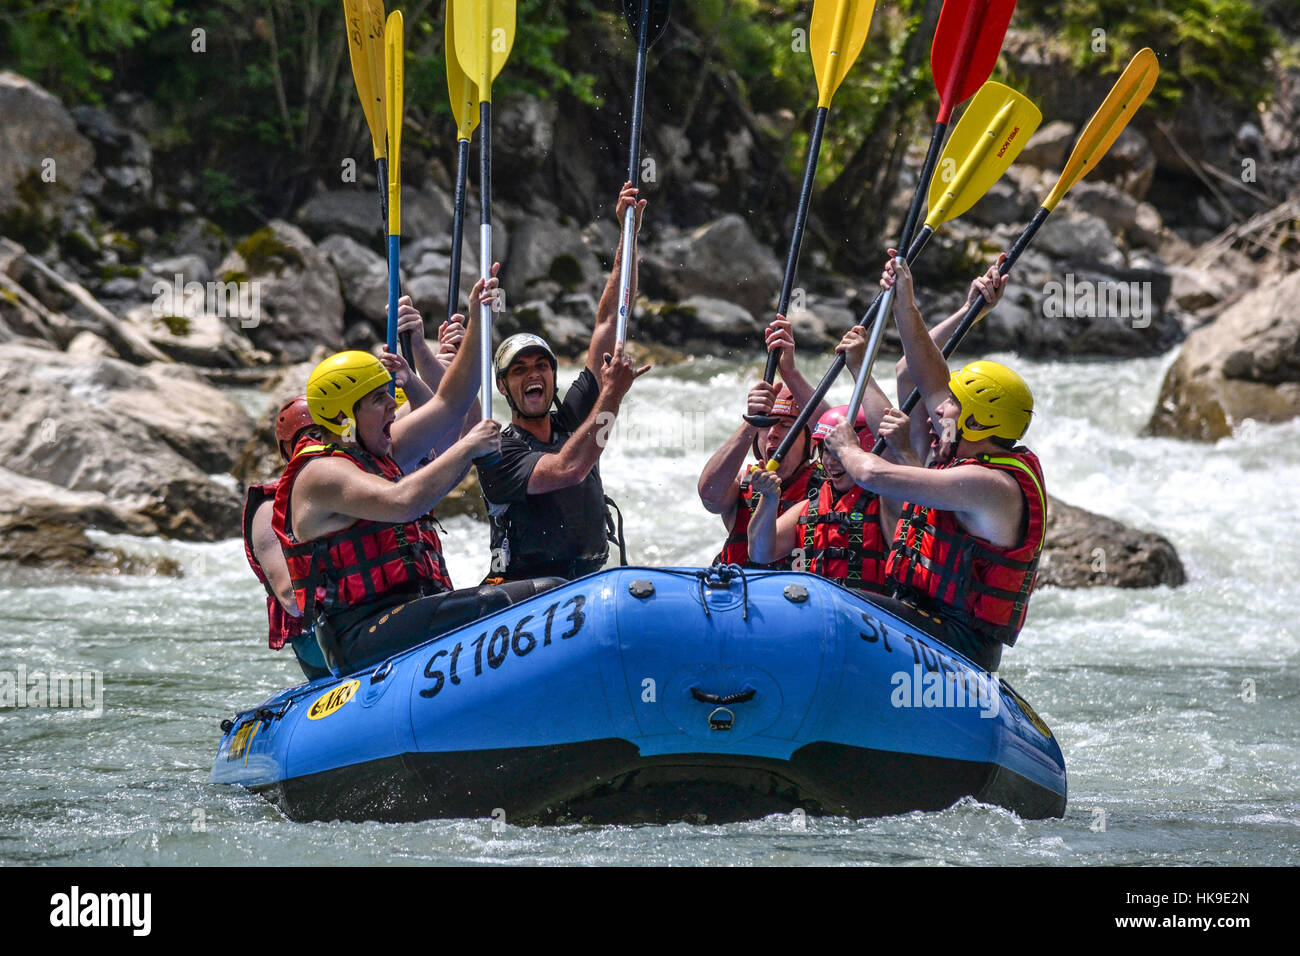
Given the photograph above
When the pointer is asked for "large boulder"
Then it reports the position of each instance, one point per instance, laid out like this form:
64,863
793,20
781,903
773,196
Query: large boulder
123,173
187,332
39,531
43,158
722,259
300,305
1085,311
352,212
1245,364
363,274
1084,549
700,323
145,438
542,249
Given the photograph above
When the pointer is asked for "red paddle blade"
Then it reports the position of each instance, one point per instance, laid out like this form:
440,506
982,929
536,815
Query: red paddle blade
967,42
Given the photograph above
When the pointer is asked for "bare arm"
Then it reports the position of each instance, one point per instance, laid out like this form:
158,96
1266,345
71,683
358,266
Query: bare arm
780,335
602,337
990,287
988,503
417,433
928,366
874,400
330,493
269,554
719,485
572,463
427,366
772,536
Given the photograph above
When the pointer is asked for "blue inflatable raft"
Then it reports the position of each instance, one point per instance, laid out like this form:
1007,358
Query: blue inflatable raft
651,695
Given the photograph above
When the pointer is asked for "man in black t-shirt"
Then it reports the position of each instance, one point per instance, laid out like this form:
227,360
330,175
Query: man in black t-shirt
545,499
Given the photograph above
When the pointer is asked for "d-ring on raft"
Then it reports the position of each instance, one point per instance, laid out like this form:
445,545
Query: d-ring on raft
639,695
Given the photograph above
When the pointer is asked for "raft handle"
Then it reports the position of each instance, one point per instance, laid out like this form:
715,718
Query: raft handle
706,698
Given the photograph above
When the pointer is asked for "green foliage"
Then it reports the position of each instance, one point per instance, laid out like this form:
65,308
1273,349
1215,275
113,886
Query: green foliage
74,48
1219,46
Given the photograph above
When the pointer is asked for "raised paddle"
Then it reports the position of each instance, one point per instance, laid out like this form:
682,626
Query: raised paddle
485,34
464,106
984,143
836,37
967,42
394,99
647,19
364,20
1128,93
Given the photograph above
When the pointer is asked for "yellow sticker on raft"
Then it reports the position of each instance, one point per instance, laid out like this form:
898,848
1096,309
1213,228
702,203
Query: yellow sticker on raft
332,700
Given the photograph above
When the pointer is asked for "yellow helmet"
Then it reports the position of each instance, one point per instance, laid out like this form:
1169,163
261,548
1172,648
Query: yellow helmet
996,397
337,384
399,395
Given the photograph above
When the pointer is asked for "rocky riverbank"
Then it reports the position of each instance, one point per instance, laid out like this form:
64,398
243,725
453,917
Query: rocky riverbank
117,337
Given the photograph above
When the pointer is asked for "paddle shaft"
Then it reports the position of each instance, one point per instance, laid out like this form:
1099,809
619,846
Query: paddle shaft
796,237
913,214
457,227
382,165
633,175
819,393
973,313
485,251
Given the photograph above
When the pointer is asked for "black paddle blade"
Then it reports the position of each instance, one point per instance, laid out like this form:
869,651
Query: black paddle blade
659,11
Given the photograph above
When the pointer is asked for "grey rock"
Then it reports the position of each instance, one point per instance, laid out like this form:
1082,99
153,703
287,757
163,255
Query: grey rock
353,212
542,249
1049,145
143,438
1244,365
1084,549
34,127
363,273
724,260
300,303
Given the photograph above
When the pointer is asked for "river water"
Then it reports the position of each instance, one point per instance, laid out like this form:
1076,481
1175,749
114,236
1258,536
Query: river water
1178,710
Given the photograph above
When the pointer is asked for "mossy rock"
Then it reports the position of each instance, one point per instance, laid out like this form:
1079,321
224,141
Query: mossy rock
263,252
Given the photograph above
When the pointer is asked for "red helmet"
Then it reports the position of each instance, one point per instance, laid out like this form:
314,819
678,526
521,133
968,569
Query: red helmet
292,418
784,405
841,413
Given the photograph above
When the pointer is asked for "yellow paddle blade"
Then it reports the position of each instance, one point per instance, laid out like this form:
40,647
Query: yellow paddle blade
354,20
984,143
373,11
463,92
394,58
836,35
485,34
1120,105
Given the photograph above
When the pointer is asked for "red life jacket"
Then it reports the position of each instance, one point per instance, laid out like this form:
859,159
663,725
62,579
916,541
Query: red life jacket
842,539
988,587
803,483
283,626
364,561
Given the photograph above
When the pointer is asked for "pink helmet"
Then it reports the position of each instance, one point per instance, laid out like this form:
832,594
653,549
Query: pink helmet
834,417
